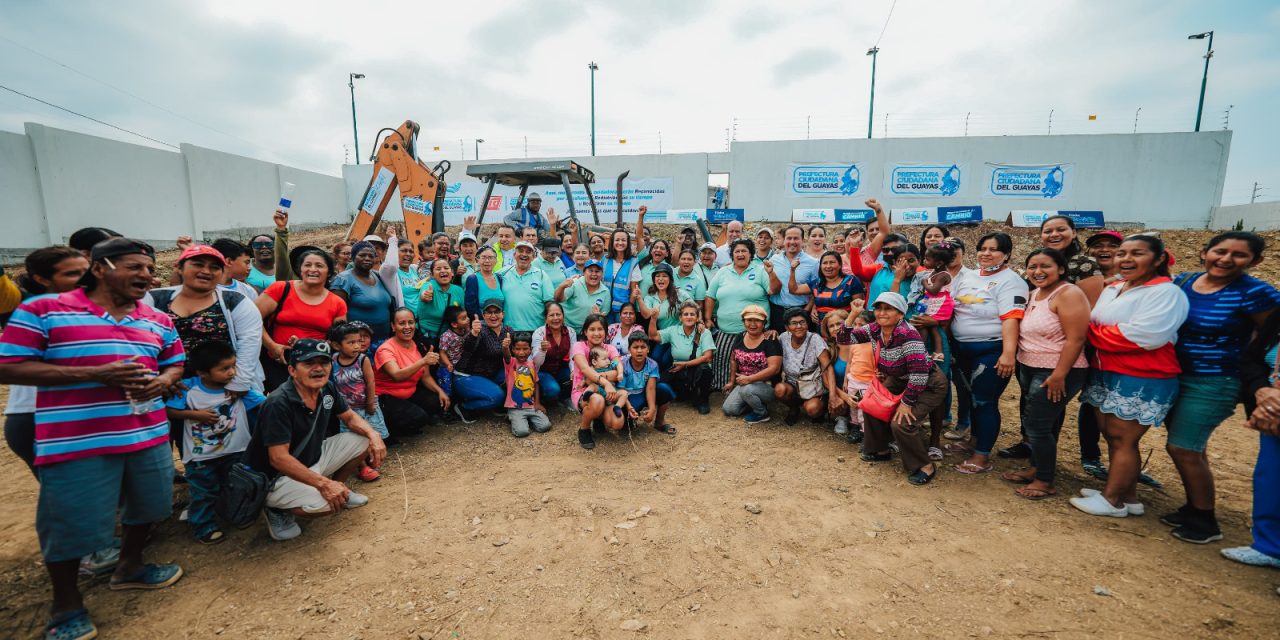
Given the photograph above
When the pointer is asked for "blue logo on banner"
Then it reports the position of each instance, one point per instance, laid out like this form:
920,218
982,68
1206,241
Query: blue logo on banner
925,181
1028,182
1085,219
959,215
855,215
721,216
813,180
453,188
1053,182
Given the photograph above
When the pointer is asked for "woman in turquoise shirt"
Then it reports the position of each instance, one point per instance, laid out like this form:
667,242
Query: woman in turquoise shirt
736,286
483,284
437,294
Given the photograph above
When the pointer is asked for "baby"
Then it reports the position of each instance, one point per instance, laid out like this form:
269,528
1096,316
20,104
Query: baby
932,296
599,360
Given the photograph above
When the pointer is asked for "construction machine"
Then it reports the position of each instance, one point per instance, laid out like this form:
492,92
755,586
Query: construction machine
397,166
562,173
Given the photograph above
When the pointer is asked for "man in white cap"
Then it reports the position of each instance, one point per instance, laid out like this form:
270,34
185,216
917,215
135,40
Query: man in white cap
526,290
529,216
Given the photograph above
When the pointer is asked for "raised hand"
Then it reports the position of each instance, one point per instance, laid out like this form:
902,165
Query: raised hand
281,219
874,205
432,358
183,242
428,293
475,327
643,210
469,223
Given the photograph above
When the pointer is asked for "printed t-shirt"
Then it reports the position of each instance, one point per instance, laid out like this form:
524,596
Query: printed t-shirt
554,270
578,303
349,379
753,360
984,301
391,351
369,303
579,385
410,286
634,381
733,291
229,434
1218,327
521,378
827,299
682,346
692,287
297,319
526,296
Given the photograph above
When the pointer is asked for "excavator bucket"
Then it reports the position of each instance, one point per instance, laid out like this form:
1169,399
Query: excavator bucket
396,166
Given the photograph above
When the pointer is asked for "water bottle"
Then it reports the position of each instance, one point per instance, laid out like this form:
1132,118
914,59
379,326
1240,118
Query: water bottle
286,196
143,407
920,308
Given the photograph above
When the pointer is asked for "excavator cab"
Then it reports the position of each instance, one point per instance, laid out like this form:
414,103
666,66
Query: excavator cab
561,173
422,189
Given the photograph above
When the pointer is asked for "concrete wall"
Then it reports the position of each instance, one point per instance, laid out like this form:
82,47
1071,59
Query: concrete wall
1259,215
1168,180
53,182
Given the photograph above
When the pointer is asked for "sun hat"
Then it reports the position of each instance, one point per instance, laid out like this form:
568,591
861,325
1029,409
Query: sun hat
755,311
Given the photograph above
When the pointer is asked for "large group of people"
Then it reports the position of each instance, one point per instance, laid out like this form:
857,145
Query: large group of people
304,364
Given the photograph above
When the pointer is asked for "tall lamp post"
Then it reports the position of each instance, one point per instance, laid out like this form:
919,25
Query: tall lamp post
871,110
478,141
1204,79
593,67
351,82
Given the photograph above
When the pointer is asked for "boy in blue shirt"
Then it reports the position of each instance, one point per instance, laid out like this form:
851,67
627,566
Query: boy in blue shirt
216,426
649,398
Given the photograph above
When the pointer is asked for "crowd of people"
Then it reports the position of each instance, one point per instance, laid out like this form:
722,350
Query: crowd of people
303,364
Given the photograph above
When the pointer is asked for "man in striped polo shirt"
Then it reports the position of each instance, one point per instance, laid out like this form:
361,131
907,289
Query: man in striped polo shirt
101,361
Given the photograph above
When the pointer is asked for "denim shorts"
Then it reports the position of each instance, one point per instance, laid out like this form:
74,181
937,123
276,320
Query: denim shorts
76,510
1204,402
1143,400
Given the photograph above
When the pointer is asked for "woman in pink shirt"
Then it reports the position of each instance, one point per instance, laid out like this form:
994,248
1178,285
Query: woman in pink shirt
1051,366
592,406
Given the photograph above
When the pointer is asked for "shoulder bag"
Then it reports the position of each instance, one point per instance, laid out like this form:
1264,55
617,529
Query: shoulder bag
877,401
245,491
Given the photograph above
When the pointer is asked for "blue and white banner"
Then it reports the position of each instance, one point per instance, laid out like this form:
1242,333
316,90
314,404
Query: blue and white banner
673,216
1042,181
933,180
914,215
722,216
855,215
463,199
959,215
1085,219
1082,219
808,180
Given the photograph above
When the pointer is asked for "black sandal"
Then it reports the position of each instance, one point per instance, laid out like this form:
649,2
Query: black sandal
586,439
668,429
877,457
920,478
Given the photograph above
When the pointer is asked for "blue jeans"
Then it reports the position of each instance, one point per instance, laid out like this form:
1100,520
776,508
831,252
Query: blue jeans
554,386
661,354
479,393
1041,416
662,395
975,373
204,483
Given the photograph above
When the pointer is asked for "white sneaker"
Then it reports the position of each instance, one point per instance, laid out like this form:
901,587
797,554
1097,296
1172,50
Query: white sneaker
842,426
1134,508
1096,505
281,524
356,500
936,454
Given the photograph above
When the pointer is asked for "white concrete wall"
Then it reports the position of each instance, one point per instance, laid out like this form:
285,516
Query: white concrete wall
53,182
1259,215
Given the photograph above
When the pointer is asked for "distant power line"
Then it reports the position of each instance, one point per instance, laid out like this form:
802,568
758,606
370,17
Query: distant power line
91,118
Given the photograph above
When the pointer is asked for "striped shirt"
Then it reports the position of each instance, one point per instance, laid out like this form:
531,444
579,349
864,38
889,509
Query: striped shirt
903,358
1212,340
83,420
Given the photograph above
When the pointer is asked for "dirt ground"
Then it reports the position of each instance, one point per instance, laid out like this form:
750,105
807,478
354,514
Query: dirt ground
474,534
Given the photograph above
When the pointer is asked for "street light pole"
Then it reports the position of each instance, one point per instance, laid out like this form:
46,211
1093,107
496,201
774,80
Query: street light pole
478,141
593,67
1204,79
871,110
351,82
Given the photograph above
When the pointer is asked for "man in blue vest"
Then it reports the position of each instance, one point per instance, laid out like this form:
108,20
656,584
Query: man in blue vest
529,216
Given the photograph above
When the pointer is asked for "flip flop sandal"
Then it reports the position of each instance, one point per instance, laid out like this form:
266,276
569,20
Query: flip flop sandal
968,468
151,576
1012,476
71,625
668,429
1042,494
956,447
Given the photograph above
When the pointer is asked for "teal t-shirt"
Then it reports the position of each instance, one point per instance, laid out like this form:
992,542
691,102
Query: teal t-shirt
484,292
554,271
527,295
666,315
734,291
258,279
692,286
578,302
410,287
431,314
682,346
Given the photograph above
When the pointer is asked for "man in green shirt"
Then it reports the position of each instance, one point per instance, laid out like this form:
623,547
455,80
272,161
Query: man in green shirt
549,261
526,290
583,295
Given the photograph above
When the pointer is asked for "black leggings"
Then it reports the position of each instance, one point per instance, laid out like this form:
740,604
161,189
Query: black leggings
690,383
408,416
20,434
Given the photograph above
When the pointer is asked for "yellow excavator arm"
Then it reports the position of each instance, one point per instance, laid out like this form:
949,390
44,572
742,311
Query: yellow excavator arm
396,166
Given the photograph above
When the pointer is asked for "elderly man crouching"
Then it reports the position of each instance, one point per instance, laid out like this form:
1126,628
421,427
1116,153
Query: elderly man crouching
297,442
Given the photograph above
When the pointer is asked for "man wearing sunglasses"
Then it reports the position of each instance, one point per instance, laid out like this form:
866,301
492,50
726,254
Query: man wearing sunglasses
263,271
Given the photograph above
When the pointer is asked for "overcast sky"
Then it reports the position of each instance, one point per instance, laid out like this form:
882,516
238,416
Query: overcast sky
268,79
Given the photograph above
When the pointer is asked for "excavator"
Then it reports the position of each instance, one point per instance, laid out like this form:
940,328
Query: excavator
422,189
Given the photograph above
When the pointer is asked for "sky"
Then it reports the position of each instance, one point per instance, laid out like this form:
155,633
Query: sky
269,80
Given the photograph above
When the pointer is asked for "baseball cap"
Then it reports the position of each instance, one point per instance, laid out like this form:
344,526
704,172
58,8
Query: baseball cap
202,250
1099,236
892,299
765,230
534,196
708,245
308,349
527,245
663,267
549,243
492,302
373,237
593,263
465,236
115,247
755,311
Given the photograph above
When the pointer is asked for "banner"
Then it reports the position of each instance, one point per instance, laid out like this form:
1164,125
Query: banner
813,215
1029,181
1082,219
1085,219
722,216
855,215
959,215
1029,218
826,179
386,179
924,180
674,216
914,215
463,199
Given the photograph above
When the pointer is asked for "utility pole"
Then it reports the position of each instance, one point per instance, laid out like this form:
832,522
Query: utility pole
355,133
1050,122
1204,79
1226,117
659,143
462,151
871,108
808,120
1254,196
478,141
526,146
593,67
1135,119
966,123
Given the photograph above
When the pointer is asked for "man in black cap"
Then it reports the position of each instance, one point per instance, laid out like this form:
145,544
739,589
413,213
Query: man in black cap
549,262
298,443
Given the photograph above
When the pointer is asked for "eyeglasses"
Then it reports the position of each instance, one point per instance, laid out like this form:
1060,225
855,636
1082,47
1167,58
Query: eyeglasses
263,245
492,312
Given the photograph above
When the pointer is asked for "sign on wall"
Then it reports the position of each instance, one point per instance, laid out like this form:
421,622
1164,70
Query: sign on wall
824,179
1045,181
959,215
914,215
1082,219
722,216
915,179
